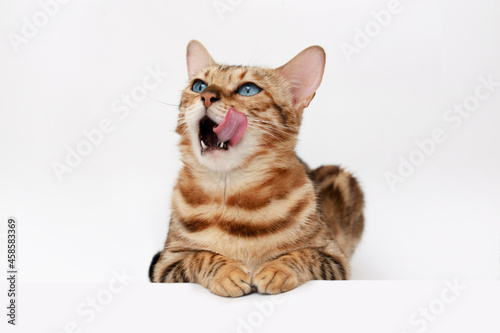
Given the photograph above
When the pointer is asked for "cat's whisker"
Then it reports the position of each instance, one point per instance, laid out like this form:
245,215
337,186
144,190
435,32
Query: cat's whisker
157,100
189,115
257,138
267,122
284,127
274,137
274,130
282,130
272,151
270,131
253,118
183,133
184,120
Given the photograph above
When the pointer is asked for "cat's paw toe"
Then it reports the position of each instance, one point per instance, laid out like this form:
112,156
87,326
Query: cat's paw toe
234,280
274,278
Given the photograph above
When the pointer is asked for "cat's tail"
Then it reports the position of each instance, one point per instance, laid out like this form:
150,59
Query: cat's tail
152,265
341,202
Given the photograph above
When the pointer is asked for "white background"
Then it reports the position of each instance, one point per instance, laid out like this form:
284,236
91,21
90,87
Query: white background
111,212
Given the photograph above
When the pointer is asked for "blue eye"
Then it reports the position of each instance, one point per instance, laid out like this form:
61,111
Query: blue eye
248,89
199,86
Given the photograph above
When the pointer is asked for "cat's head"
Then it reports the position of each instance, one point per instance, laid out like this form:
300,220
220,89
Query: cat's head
266,108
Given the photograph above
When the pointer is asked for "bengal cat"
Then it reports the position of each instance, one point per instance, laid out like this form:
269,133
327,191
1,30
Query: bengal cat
247,213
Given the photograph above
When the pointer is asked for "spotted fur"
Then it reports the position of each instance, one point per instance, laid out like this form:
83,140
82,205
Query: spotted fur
256,217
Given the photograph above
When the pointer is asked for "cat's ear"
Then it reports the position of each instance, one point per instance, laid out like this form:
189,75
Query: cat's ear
304,73
197,58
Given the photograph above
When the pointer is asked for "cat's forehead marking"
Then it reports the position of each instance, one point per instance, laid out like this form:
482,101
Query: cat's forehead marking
243,73
224,75
208,72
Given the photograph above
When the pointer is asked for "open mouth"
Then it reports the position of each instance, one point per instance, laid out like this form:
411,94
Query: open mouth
208,138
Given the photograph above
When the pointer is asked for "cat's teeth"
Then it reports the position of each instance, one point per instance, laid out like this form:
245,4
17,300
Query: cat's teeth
221,145
203,145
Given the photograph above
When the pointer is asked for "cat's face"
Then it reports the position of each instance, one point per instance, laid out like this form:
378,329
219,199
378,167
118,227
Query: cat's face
266,103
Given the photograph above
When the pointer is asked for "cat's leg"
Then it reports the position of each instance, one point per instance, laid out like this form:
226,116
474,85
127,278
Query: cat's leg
341,200
221,275
297,267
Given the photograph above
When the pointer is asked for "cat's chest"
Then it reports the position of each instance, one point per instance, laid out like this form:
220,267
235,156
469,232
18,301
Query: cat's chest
251,251
251,238
252,222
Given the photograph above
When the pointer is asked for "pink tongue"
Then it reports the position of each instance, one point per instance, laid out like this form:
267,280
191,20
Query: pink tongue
232,128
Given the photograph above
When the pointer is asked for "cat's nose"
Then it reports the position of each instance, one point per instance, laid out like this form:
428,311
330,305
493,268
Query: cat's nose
209,97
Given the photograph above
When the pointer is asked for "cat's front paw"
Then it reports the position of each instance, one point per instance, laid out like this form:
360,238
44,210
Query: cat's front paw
233,279
274,278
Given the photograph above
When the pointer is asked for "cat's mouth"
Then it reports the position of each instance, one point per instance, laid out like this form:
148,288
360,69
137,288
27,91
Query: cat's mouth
208,138
215,136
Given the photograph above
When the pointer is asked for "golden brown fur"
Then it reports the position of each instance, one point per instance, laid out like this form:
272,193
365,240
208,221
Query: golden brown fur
256,217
